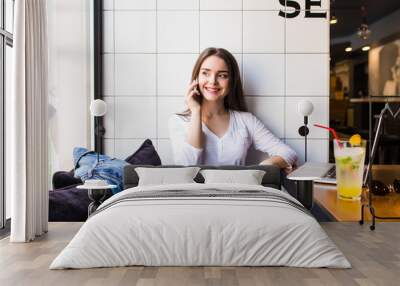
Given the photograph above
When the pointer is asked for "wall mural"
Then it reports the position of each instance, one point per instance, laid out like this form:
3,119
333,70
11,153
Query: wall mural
149,48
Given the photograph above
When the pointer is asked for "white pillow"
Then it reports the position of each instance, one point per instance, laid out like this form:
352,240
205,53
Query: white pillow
248,177
165,176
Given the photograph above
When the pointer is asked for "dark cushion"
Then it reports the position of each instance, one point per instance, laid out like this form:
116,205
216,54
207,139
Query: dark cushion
63,179
145,155
68,204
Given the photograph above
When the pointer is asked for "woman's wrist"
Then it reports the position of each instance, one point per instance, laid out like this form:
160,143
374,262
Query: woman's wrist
196,110
195,133
195,114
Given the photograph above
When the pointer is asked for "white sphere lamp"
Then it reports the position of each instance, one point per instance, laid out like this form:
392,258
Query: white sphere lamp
98,107
305,107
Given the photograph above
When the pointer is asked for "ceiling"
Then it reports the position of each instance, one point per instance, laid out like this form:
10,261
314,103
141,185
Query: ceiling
348,13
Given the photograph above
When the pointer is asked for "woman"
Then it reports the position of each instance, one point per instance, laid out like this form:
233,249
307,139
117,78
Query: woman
216,129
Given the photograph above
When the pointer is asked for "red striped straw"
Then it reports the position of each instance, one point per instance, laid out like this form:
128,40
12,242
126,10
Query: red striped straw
332,131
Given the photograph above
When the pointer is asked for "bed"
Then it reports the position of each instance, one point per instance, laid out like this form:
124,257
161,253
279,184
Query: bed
197,224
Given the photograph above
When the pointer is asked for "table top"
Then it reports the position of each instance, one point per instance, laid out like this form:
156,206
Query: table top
325,195
89,187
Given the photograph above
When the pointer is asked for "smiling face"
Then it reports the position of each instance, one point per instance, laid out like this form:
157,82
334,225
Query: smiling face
213,79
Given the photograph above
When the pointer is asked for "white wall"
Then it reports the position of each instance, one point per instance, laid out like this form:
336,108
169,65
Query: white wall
150,48
70,81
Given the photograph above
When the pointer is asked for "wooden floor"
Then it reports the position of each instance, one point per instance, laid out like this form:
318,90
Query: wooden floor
375,256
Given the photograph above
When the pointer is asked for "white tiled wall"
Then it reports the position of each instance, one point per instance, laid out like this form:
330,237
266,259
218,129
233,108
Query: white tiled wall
150,47
173,73
135,31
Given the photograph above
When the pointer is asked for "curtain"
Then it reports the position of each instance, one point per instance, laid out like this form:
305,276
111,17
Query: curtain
28,123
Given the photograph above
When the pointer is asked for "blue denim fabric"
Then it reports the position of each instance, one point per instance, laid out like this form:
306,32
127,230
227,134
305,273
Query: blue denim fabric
109,169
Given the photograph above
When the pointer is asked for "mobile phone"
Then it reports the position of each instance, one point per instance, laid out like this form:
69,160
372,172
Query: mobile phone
196,87
198,95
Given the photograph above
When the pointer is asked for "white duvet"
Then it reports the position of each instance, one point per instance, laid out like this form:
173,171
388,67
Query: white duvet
185,231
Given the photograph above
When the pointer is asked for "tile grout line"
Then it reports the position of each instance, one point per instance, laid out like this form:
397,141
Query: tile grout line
213,10
164,138
114,77
194,53
199,51
249,95
284,77
156,71
241,64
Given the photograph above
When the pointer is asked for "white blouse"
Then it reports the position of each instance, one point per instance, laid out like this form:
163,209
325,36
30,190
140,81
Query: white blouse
231,149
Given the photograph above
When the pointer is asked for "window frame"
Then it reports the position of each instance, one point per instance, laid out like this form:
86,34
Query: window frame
98,70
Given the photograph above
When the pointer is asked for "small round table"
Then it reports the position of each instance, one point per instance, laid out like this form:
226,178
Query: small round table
96,194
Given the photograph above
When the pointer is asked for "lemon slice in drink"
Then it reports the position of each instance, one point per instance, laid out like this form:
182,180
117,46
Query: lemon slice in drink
355,140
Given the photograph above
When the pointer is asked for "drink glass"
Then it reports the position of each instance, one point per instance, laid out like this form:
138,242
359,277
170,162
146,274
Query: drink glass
349,161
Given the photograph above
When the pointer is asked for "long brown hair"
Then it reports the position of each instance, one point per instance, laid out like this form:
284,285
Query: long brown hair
234,100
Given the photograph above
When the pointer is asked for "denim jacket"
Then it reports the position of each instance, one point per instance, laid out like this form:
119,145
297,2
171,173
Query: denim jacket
109,169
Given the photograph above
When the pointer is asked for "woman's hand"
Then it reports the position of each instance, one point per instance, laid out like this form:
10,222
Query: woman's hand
190,98
278,161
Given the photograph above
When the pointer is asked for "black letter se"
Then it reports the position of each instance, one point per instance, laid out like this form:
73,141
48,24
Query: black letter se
292,4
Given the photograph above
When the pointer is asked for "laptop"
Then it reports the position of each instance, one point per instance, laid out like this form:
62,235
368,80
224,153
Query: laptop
324,173
311,171
329,177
